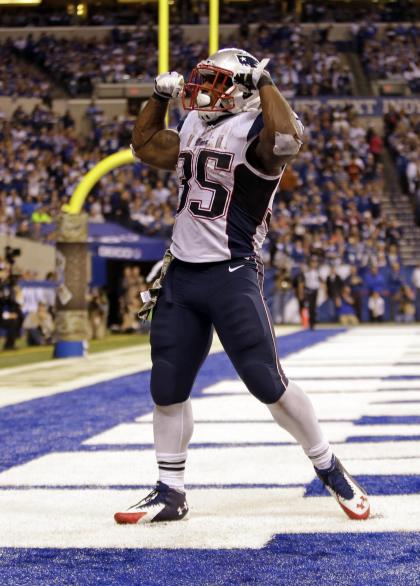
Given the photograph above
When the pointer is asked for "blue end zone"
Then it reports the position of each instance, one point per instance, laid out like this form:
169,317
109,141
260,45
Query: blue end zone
361,559
63,421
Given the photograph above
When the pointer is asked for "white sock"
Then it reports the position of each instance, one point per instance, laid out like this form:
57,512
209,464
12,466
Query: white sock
295,413
172,469
172,428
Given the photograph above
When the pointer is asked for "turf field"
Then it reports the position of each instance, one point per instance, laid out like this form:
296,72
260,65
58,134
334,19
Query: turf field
32,354
76,442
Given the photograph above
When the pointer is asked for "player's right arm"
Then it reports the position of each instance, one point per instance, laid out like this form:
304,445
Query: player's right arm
152,143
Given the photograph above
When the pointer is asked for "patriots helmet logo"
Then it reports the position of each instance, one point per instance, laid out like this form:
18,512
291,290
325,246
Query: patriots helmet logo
247,60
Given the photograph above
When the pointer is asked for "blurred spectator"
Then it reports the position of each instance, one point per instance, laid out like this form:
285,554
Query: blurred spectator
11,316
416,284
402,134
374,280
376,305
282,287
375,144
132,284
406,304
355,282
24,230
394,232
130,322
41,216
346,305
334,288
299,288
160,193
95,213
395,283
39,326
413,173
312,286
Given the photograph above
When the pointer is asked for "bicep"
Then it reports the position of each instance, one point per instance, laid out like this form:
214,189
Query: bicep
266,151
161,150
269,161
263,159
276,149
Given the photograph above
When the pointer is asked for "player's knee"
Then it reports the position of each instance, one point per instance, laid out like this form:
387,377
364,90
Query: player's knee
263,381
166,386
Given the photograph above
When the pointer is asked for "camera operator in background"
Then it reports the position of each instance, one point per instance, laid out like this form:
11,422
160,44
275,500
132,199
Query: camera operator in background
98,310
39,326
11,299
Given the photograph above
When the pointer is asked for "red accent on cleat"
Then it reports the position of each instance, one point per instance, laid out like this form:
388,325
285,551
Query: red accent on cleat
128,518
353,515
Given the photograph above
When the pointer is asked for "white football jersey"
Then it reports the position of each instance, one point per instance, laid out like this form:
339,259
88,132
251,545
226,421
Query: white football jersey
224,204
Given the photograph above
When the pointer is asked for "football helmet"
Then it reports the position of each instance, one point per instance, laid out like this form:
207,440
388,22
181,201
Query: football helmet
212,90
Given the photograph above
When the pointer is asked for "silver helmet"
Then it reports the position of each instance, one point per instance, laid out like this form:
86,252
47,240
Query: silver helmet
224,94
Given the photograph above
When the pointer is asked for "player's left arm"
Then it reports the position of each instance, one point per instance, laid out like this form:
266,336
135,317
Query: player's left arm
282,134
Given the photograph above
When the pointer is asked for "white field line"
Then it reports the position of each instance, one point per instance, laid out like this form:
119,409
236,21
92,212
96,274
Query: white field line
234,519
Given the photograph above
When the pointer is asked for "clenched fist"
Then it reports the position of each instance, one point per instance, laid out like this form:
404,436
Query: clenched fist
169,85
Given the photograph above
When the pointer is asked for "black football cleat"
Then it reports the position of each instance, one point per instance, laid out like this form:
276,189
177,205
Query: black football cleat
162,504
349,494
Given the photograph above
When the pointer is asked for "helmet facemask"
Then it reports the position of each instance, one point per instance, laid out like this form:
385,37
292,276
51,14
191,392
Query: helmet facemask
209,90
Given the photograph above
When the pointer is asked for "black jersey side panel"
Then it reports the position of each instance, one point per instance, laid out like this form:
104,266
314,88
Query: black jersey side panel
240,230
250,199
252,193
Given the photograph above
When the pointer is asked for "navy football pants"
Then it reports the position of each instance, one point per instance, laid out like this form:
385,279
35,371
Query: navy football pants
193,299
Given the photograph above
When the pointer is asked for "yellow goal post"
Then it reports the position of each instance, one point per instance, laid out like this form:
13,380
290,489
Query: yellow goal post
125,157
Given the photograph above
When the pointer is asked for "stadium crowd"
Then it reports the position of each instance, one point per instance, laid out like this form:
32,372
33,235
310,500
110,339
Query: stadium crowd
330,243
336,181
328,210
17,78
304,64
196,12
390,53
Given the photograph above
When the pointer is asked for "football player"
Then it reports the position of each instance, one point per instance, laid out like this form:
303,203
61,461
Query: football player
229,153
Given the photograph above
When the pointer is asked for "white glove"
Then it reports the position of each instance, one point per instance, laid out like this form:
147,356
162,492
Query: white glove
169,85
251,79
